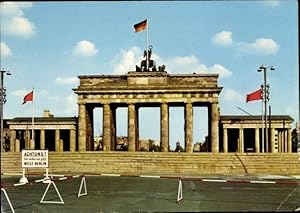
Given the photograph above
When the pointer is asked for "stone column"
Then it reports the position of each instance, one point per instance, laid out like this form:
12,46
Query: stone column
106,127
27,139
285,141
72,140
164,127
17,146
241,141
282,141
113,128
131,128
279,141
42,139
214,128
272,140
289,140
188,113
61,145
225,140
57,138
32,144
13,134
257,140
137,136
82,128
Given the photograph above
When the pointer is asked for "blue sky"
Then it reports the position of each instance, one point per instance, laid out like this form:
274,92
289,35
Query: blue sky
46,45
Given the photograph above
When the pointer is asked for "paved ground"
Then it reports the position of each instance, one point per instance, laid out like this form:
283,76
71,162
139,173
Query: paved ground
137,194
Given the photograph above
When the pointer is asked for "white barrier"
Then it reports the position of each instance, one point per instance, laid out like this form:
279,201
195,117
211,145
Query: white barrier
45,193
51,181
179,194
8,201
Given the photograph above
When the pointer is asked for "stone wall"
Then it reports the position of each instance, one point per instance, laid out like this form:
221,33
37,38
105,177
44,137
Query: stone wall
158,163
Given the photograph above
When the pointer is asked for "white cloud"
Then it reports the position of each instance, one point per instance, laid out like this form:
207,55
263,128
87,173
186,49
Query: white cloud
13,8
4,50
20,27
222,71
20,92
230,95
184,64
262,46
191,64
128,59
14,23
223,38
85,48
66,80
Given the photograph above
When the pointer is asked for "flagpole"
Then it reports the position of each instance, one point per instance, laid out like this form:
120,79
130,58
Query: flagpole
147,40
32,130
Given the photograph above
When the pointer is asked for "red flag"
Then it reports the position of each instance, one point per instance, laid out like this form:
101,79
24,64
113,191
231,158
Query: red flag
28,97
254,95
140,26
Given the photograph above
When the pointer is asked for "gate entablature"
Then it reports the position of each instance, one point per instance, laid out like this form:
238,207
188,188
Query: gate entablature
148,87
151,79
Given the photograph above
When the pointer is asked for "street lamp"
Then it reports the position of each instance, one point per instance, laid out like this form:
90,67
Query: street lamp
2,102
265,88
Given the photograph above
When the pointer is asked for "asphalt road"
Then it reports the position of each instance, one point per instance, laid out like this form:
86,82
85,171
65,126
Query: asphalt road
136,194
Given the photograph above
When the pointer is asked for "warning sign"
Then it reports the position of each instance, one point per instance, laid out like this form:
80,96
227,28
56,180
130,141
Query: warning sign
35,158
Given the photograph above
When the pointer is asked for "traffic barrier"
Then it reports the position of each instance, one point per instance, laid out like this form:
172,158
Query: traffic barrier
51,182
181,179
179,194
8,201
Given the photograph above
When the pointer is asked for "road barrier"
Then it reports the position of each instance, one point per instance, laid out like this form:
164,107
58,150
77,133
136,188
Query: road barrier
51,179
215,180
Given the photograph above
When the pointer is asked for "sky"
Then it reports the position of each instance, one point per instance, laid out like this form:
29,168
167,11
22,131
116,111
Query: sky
46,45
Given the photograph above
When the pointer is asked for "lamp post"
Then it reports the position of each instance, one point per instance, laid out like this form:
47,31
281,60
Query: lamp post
266,87
2,102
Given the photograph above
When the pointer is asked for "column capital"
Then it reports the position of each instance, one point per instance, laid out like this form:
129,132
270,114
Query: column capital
130,103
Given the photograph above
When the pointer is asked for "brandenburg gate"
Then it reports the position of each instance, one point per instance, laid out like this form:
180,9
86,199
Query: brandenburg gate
141,89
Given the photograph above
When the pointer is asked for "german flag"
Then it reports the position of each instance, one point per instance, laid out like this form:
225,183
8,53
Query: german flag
140,26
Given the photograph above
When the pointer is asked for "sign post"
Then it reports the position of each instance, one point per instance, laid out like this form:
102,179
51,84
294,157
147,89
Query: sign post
34,159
